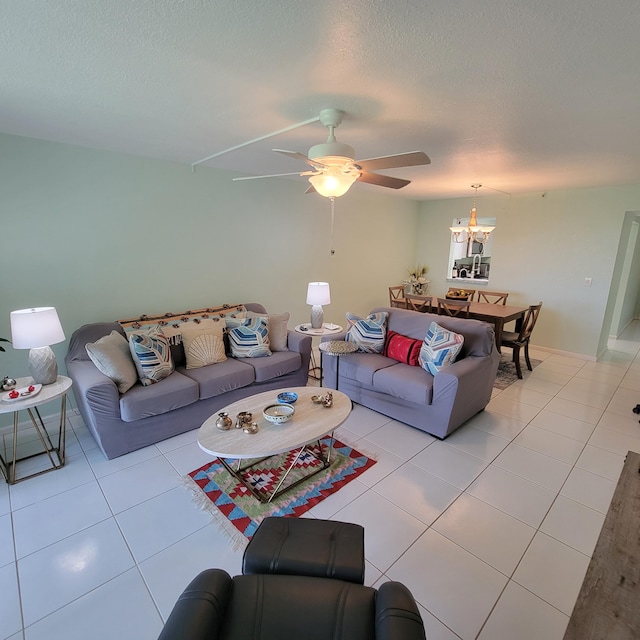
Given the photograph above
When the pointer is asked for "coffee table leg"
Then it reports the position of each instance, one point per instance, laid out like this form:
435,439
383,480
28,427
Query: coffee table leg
277,492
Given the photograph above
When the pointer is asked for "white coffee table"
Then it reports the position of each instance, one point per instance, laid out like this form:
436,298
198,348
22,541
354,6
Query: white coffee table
309,424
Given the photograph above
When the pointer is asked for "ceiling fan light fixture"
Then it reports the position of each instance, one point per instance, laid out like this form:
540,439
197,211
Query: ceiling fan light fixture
332,182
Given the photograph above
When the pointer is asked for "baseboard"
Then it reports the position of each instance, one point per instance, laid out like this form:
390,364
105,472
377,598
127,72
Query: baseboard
567,354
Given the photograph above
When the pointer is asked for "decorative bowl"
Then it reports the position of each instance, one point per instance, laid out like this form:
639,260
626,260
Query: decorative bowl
278,413
287,397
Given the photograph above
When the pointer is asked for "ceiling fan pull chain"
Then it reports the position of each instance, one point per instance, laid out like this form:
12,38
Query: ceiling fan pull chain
333,205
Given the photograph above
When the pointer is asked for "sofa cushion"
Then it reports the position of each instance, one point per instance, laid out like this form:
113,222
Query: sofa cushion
368,333
402,348
439,348
406,382
278,329
249,337
112,357
170,393
203,343
278,364
222,377
151,355
363,366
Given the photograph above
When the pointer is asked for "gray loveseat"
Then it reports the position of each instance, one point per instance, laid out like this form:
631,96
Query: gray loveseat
144,415
436,404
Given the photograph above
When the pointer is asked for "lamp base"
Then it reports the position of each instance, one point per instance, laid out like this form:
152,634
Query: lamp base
43,365
317,316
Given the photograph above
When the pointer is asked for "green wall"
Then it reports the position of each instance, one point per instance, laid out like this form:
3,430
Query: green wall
101,236
544,248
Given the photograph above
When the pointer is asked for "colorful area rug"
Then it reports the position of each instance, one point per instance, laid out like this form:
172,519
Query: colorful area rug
239,513
507,374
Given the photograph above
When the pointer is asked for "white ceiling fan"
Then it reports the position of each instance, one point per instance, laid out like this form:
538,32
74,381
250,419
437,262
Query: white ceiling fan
335,169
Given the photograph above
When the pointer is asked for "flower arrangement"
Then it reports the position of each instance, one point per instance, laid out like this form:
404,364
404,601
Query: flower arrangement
417,283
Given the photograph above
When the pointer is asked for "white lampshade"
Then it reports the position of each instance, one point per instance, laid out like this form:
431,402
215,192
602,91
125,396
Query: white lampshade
39,327
318,293
36,329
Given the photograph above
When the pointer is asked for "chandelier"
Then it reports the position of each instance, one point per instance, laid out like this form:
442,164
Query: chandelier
473,231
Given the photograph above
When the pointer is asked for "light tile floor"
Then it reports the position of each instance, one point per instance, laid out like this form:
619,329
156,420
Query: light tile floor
492,529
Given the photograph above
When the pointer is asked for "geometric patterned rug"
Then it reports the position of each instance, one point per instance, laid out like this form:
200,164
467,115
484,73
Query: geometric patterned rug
239,513
507,374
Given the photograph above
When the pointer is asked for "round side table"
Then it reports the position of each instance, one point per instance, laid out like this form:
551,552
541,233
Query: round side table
55,452
336,348
327,329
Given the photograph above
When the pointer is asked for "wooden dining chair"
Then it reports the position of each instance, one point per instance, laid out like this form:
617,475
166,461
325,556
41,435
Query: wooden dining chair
516,340
493,297
418,303
396,297
471,292
458,308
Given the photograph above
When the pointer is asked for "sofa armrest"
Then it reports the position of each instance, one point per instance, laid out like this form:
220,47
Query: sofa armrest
199,612
334,336
298,343
94,392
397,614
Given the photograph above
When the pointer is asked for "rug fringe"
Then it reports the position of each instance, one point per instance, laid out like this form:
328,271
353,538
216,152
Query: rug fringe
200,499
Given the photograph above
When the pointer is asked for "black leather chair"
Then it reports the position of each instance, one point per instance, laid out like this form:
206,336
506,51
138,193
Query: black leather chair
307,584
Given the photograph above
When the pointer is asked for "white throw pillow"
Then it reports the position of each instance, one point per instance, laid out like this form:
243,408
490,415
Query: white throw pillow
112,357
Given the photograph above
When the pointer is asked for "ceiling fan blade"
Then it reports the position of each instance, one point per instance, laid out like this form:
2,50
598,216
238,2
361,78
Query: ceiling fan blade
411,159
276,175
299,156
383,181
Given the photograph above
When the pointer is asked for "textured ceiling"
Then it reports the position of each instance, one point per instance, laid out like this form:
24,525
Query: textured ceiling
519,95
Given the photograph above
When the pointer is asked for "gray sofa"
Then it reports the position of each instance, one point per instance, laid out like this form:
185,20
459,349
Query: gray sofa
436,404
144,415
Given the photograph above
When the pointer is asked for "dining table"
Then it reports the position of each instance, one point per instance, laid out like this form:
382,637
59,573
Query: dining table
496,314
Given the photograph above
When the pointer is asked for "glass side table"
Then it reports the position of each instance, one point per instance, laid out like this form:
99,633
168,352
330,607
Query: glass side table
55,452
336,348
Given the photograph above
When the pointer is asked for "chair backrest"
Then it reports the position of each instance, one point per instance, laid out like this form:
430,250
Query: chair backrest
470,292
418,303
459,308
396,297
493,297
529,321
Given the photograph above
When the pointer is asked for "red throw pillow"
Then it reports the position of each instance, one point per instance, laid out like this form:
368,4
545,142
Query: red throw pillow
402,348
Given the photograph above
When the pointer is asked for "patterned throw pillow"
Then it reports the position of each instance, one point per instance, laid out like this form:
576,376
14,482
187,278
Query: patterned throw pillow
402,348
278,329
151,355
368,333
439,348
203,343
249,338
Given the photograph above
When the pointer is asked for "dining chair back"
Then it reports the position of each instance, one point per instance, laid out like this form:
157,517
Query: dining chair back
458,308
517,340
471,293
493,297
396,297
418,303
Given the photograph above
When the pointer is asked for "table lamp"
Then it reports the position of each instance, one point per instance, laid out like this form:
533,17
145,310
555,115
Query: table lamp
36,329
318,294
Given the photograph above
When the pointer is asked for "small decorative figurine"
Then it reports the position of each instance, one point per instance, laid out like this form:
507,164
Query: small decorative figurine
224,422
8,383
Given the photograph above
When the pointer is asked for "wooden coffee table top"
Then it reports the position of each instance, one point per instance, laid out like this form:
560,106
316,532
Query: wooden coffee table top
310,422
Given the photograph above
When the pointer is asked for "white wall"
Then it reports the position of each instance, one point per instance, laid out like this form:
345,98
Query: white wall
102,236
543,249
